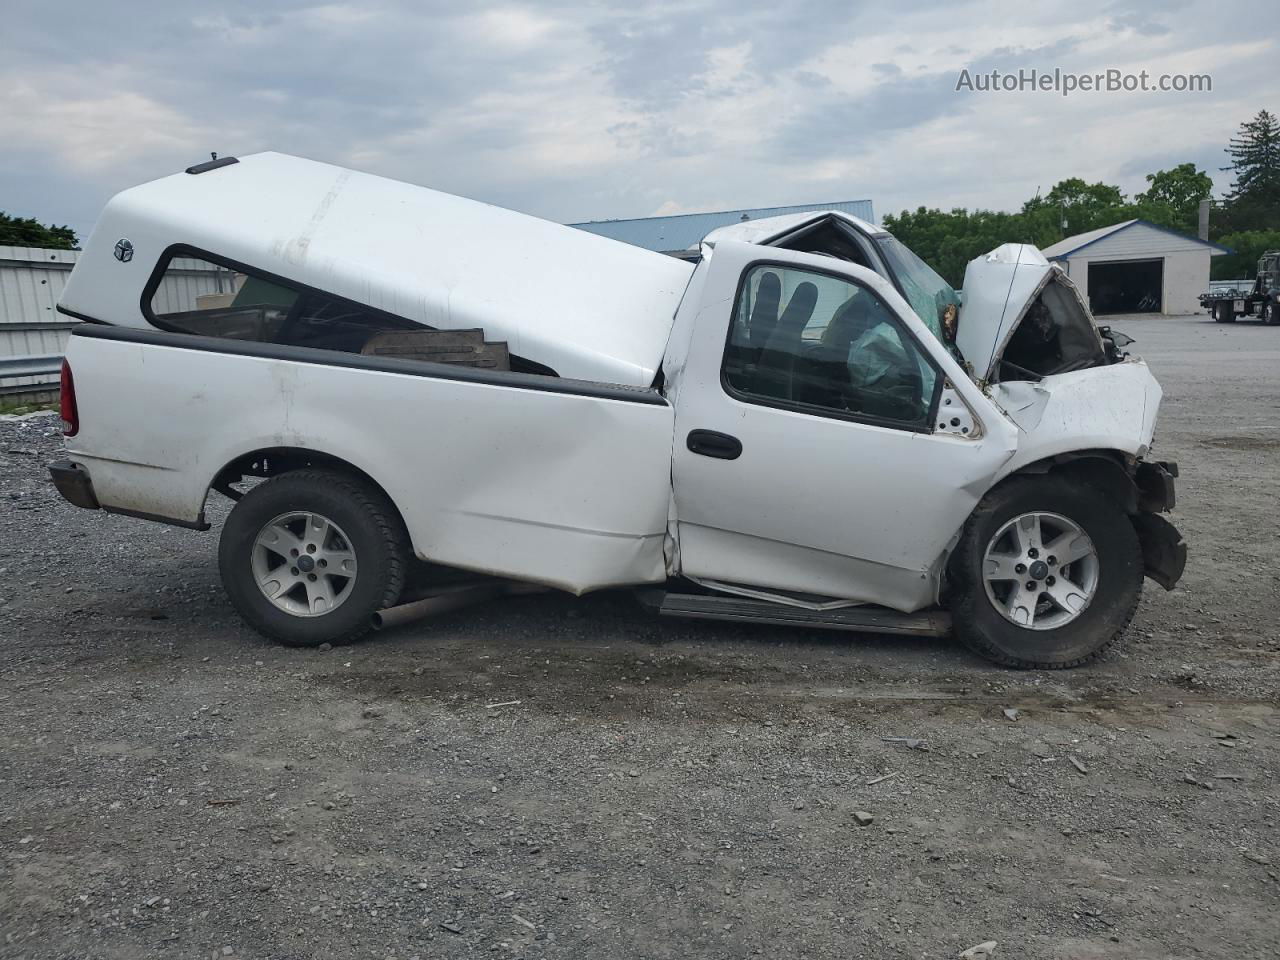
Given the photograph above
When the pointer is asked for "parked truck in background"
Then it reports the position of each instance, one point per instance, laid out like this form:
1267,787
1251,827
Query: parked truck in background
1260,299
798,428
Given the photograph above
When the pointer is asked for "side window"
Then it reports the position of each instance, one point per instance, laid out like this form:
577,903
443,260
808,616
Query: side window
196,296
199,296
823,344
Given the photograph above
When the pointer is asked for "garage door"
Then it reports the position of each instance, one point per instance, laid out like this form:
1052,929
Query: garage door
1126,286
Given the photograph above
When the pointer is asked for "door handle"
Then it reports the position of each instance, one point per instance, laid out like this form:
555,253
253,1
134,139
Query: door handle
709,443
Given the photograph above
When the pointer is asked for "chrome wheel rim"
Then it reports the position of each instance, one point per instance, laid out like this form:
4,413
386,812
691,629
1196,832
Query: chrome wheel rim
304,564
1040,571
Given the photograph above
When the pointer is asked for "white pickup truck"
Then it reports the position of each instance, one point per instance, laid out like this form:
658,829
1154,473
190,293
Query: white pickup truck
792,425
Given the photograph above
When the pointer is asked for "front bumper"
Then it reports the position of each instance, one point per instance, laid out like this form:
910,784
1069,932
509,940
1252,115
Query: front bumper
1164,552
1154,480
74,484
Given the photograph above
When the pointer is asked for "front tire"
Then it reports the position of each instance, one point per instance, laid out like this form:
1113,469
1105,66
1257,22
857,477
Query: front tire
1271,313
309,556
1047,575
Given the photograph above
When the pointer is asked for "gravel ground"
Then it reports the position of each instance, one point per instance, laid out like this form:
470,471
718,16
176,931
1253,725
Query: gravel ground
551,777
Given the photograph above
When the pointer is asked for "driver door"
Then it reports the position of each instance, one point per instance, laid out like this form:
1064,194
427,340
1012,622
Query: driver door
808,455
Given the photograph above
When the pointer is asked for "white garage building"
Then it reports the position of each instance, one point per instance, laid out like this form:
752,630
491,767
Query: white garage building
1137,267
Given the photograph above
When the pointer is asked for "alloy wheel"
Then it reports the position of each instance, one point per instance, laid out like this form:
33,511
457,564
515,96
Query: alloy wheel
304,564
1040,570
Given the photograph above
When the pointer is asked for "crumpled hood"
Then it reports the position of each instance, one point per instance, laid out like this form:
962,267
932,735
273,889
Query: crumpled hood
1000,288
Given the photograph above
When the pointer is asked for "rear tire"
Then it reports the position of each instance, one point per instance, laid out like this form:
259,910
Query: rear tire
1224,313
313,602
1065,637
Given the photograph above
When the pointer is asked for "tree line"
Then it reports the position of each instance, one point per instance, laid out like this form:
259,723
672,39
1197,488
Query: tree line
1246,220
28,232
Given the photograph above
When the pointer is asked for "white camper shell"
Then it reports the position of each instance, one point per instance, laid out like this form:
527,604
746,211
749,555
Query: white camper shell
798,428
588,307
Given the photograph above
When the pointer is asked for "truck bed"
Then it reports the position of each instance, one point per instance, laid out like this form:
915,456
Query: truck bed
557,481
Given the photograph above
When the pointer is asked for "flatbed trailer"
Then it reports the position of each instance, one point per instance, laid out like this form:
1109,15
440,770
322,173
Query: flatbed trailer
1262,300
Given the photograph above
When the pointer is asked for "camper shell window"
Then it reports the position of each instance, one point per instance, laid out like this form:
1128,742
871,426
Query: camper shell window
193,291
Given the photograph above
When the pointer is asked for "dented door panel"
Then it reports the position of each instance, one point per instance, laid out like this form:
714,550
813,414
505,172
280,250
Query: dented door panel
817,504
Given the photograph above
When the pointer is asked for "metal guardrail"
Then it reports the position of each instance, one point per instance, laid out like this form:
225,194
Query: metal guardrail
40,325
49,364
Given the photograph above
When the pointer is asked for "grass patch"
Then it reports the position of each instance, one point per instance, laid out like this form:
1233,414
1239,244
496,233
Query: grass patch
16,407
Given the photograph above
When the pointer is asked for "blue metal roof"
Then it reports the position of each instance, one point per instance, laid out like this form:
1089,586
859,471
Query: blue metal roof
686,229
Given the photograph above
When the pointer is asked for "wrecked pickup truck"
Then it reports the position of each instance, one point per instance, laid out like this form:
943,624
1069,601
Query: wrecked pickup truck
799,428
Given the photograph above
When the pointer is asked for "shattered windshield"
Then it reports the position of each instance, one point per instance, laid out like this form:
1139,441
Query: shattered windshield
928,294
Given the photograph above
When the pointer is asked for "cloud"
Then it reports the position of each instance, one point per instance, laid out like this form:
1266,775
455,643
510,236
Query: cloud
588,110
1141,19
838,123
88,128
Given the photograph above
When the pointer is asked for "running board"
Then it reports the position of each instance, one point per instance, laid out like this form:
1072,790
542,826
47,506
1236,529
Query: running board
928,623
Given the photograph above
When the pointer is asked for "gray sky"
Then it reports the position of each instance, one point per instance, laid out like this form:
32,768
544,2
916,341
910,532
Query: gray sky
574,110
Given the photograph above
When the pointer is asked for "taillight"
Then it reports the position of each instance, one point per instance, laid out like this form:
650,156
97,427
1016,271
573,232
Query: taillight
67,393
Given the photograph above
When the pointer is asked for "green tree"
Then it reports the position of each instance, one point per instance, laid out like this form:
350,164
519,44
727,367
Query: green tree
948,239
1254,202
1079,205
1246,247
1075,193
1172,198
1255,159
19,232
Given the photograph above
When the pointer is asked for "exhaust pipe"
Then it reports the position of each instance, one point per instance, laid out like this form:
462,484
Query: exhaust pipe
447,600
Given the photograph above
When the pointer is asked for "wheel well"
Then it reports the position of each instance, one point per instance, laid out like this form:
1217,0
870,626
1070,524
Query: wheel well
273,461
1105,470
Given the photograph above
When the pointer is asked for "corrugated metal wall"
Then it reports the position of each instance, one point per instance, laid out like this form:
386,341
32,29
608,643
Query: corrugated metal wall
31,281
185,280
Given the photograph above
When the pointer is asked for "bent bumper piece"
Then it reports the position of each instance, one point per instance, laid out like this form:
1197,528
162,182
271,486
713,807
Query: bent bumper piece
1154,479
1164,552
74,484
